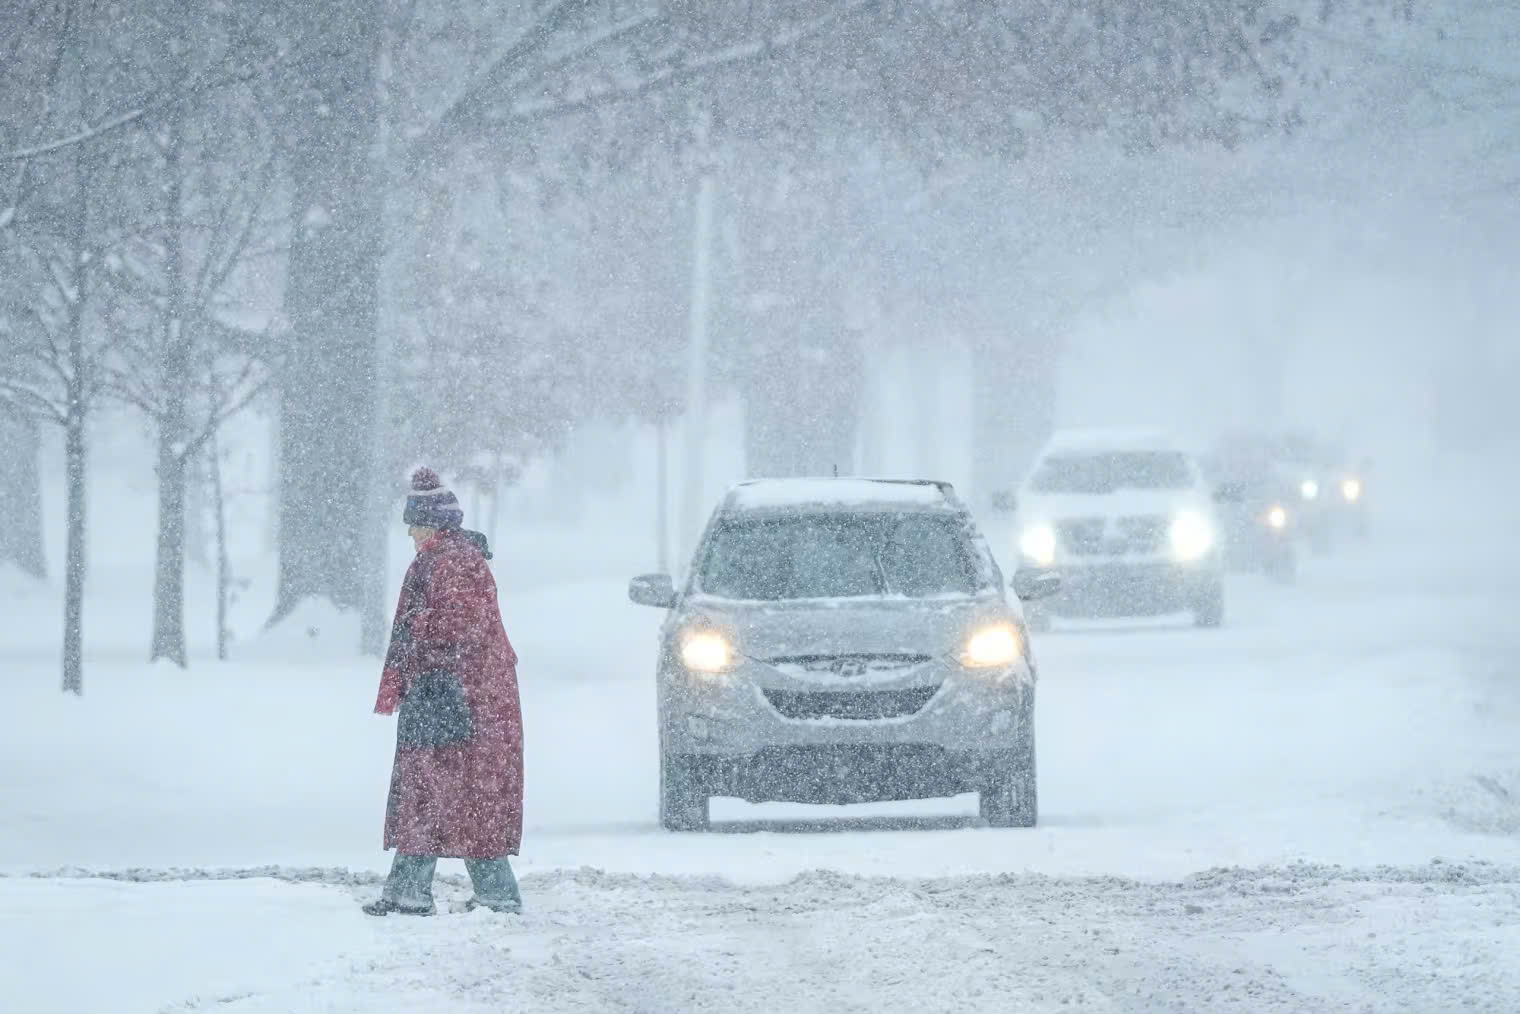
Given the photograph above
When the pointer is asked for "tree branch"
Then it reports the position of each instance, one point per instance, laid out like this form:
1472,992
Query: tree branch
79,137
219,269
155,102
229,409
750,52
483,91
19,395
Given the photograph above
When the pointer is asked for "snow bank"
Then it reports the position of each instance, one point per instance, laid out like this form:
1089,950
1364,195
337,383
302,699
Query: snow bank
315,630
16,586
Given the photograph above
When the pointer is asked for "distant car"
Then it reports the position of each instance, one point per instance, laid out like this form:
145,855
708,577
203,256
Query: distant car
1330,499
1256,506
844,641
1126,518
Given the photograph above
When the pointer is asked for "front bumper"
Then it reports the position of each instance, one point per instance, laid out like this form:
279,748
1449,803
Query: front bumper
843,774
1116,589
941,726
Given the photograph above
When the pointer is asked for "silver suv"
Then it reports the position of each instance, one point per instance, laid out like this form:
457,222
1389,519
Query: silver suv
1128,520
844,641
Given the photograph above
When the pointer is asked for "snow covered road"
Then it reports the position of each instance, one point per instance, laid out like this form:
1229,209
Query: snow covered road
1316,808
1436,937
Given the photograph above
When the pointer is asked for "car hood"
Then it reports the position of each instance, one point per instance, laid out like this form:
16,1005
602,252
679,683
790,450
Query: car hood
928,627
1037,507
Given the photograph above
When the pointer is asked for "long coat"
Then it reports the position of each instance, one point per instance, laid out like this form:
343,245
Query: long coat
457,782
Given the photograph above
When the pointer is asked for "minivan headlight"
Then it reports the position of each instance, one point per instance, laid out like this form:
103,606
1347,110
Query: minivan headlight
992,647
1351,489
1038,543
1191,535
1309,489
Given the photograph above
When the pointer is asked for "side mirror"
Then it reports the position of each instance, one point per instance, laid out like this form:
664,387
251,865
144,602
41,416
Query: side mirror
1005,501
1030,584
656,590
1229,492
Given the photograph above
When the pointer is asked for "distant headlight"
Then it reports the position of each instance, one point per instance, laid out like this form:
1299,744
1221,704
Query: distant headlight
1310,489
1192,535
1351,489
1277,517
706,652
991,648
1039,544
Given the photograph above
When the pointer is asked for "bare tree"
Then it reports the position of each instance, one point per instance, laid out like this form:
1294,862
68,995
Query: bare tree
207,176
512,66
52,366
61,228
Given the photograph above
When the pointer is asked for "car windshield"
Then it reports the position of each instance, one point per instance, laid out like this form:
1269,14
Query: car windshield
1111,471
831,555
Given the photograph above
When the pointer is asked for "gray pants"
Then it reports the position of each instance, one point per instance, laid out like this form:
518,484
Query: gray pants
411,882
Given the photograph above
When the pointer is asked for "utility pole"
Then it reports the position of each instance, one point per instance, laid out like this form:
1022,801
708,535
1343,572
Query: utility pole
374,627
694,506
662,498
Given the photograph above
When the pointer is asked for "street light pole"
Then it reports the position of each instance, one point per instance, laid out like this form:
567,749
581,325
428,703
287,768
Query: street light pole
693,506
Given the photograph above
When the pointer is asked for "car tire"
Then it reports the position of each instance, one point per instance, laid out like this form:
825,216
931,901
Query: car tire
1208,610
1010,792
683,795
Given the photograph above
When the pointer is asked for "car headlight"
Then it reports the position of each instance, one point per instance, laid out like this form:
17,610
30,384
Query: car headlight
1309,488
1277,517
1192,535
1038,544
705,651
992,647
1351,489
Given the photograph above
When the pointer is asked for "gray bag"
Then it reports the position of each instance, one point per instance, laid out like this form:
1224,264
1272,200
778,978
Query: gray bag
434,712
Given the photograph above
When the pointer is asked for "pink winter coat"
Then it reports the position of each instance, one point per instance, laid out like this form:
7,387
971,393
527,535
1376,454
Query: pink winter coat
457,782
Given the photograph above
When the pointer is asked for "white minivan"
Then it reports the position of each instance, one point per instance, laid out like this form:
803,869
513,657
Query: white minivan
1127,519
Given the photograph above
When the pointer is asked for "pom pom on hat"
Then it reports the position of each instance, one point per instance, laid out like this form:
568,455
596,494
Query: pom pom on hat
425,480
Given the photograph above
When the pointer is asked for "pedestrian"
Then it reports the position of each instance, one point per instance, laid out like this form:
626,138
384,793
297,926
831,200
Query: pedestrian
450,676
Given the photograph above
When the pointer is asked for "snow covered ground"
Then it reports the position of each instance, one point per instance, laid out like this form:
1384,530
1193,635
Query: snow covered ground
1316,808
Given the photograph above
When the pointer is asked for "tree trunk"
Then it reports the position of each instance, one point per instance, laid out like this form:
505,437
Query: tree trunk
198,540
328,381
169,571
223,565
374,616
174,370
74,566
21,497
73,433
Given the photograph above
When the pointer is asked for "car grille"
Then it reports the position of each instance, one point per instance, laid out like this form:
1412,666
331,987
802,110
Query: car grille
1127,535
845,666
859,705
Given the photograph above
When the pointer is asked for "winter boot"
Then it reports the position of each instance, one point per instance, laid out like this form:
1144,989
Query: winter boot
384,906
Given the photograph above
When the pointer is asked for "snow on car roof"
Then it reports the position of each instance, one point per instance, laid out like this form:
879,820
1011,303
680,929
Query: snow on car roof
759,494
1092,439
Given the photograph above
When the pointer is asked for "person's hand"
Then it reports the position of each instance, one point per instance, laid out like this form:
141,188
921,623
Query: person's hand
390,694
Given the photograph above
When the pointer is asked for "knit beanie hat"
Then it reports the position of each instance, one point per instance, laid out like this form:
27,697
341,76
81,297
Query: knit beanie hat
430,503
